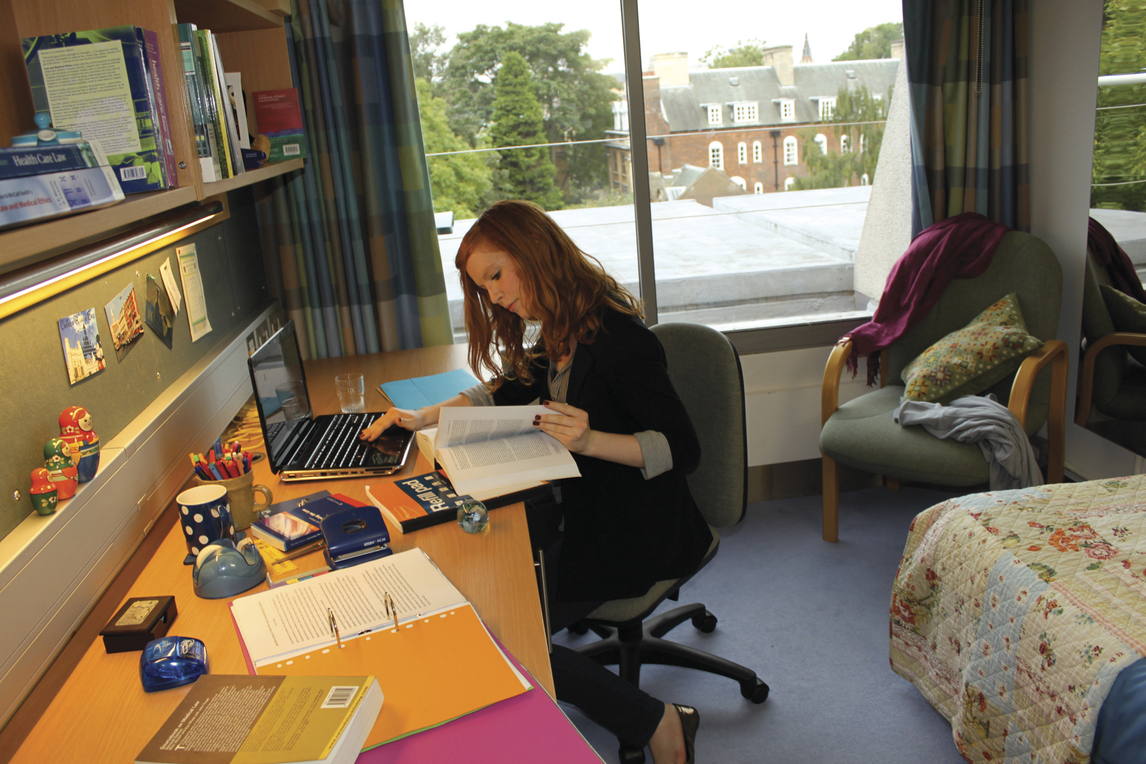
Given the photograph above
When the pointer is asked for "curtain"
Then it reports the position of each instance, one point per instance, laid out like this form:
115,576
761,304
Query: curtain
350,243
967,69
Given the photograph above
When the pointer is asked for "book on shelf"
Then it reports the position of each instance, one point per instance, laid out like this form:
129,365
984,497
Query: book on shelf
420,501
434,658
490,451
35,198
294,523
215,101
278,115
207,143
98,82
238,103
227,115
22,161
159,92
269,720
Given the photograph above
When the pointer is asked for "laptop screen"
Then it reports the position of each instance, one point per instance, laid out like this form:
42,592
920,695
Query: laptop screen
280,390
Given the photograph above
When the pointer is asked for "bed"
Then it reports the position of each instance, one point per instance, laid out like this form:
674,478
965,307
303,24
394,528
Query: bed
1021,616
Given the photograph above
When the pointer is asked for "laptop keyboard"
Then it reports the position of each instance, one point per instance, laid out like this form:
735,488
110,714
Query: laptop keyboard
338,445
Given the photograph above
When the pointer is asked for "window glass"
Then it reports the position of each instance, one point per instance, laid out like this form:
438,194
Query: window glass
777,100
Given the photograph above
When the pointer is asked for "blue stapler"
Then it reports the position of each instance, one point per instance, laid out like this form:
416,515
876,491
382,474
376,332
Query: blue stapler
354,535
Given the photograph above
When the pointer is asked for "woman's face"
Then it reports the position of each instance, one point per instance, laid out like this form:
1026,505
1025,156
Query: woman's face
493,270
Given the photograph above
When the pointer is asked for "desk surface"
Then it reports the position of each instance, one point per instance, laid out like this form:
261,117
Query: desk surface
101,713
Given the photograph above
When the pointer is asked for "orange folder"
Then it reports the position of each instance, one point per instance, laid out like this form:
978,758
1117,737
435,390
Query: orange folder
431,670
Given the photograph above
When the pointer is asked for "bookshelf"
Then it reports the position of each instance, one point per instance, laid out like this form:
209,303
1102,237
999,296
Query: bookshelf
251,40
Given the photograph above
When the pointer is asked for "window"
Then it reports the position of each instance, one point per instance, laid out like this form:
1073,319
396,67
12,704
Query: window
716,155
863,142
714,113
864,180
745,112
620,116
822,142
757,152
843,144
791,156
758,188
827,107
742,152
787,109
740,182
788,183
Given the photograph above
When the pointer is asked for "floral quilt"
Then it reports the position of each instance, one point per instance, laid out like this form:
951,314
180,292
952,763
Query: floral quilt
1013,612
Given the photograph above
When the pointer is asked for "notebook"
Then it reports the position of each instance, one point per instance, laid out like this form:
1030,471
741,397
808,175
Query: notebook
302,446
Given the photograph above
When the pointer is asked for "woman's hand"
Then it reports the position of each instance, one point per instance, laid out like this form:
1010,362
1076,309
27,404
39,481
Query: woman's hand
404,418
570,425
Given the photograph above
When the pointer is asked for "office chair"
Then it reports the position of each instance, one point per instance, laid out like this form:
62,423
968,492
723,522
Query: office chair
705,370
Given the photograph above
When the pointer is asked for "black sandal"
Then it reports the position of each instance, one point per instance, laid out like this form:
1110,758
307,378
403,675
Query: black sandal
689,723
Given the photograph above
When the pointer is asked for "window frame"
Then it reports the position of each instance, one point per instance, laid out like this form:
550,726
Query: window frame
716,155
715,114
742,153
791,151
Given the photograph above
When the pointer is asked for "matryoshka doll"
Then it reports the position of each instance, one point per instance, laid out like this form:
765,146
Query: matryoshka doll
76,430
43,492
61,470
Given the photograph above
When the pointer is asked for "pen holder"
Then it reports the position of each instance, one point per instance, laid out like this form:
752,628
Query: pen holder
241,495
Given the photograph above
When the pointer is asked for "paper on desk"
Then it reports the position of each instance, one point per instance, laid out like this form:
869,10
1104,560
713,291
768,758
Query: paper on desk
292,620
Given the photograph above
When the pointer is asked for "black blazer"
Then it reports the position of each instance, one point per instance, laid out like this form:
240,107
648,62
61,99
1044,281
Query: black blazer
624,533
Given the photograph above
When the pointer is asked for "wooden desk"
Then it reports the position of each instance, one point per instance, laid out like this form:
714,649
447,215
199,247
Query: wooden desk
101,713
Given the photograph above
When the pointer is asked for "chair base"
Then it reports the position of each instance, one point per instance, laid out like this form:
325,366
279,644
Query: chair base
631,645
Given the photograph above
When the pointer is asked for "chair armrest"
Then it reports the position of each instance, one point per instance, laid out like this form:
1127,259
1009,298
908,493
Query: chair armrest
1054,351
830,392
1089,358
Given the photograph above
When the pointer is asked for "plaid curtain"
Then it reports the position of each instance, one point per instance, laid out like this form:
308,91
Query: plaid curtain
967,69
351,244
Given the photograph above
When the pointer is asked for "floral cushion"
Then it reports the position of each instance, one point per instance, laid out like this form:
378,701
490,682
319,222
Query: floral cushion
1128,315
972,359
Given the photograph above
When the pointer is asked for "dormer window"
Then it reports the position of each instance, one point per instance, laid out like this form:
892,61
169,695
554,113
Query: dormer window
747,111
714,113
827,107
787,107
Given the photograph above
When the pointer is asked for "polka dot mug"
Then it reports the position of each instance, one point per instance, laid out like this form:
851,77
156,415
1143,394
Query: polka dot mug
204,516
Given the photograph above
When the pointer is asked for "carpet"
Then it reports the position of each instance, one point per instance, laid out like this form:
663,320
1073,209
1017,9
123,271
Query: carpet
811,618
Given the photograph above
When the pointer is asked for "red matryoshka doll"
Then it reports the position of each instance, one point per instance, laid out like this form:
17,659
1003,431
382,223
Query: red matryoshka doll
43,492
61,470
76,430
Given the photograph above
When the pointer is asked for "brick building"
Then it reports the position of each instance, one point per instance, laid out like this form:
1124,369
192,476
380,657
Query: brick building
747,122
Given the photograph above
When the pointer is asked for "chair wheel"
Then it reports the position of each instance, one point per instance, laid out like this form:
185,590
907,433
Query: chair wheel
630,755
580,629
705,623
757,693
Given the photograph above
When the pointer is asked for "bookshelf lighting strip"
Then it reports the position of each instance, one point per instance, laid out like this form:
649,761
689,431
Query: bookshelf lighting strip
29,286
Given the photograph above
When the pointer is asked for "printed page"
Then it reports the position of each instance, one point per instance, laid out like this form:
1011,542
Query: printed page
193,290
294,619
496,466
459,425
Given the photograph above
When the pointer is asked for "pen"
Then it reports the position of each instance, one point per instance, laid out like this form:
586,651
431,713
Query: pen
388,604
334,627
214,470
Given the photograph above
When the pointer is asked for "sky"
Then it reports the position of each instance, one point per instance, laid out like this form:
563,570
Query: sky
671,26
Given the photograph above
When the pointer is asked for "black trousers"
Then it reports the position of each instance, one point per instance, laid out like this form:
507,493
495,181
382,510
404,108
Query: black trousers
625,710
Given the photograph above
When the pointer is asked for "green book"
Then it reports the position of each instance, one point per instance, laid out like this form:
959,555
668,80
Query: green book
212,82
97,82
193,72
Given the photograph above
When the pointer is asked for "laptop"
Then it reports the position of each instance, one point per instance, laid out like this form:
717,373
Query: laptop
302,446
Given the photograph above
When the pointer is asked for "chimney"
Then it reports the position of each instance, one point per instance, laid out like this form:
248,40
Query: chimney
780,59
897,48
672,68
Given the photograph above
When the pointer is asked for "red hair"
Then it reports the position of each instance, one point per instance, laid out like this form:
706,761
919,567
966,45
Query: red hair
565,288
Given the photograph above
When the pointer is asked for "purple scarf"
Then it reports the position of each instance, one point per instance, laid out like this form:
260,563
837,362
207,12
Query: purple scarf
1108,255
959,247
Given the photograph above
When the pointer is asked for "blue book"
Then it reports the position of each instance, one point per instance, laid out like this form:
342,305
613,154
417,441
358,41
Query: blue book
22,161
34,198
291,524
98,82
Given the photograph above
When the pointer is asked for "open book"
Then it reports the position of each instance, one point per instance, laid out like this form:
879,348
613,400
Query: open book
489,451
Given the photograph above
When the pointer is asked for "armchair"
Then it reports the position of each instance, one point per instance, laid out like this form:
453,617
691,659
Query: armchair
862,433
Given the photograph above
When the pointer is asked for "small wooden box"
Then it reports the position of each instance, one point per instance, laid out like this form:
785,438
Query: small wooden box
140,620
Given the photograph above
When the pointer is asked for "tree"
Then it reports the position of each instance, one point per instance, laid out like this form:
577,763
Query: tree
859,116
458,182
526,173
1119,134
576,99
749,53
424,44
873,42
